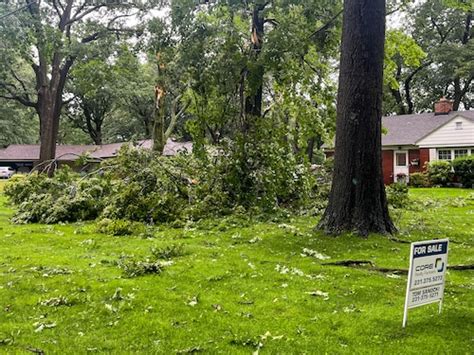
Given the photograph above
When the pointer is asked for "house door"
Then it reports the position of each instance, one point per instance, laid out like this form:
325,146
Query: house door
400,169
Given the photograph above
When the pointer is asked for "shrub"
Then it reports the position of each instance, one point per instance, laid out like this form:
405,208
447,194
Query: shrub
119,227
135,268
439,172
464,169
397,195
169,252
419,180
402,178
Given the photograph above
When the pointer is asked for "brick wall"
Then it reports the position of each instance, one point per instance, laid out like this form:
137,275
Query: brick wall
329,154
423,155
387,166
414,154
424,158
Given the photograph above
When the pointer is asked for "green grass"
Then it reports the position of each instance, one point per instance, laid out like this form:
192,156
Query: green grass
243,302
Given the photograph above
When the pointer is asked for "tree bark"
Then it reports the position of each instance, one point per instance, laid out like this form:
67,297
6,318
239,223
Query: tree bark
399,101
310,149
50,85
460,91
159,122
48,130
357,200
396,93
254,98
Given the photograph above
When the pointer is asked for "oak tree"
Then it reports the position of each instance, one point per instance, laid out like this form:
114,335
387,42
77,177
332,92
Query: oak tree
50,37
357,199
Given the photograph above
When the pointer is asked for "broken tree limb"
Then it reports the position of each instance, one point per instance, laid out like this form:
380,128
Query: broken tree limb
461,267
398,240
359,264
351,263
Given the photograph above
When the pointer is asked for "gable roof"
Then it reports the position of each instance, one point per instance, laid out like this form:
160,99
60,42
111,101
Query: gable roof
408,129
31,152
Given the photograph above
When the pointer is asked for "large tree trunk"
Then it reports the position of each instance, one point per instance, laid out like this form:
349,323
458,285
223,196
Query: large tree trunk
50,86
357,201
49,110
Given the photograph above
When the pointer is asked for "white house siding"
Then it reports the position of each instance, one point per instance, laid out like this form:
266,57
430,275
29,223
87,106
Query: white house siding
449,135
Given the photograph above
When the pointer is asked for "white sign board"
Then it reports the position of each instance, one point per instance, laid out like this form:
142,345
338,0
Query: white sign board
428,263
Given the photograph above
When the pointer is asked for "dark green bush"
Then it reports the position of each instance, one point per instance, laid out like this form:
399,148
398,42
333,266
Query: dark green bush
439,172
419,180
464,169
397,195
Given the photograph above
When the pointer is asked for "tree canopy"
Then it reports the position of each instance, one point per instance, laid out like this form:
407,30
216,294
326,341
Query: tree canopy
225,70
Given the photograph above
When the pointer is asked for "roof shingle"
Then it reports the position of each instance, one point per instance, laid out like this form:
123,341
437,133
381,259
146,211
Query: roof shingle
408,129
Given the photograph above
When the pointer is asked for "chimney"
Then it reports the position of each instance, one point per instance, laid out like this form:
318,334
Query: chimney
443,106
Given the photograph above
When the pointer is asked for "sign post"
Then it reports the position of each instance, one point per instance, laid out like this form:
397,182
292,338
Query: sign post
426,276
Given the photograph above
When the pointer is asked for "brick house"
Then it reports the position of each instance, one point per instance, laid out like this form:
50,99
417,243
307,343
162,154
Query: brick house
411,141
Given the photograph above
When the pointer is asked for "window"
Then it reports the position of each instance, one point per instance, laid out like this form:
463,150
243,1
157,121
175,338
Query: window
458,126
444,154
401,159
460,153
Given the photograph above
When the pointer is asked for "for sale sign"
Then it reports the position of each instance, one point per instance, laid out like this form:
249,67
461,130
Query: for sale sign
428,263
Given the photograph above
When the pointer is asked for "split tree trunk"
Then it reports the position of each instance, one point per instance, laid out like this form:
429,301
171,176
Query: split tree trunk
159,122
460,91
253,104
357,200
254,97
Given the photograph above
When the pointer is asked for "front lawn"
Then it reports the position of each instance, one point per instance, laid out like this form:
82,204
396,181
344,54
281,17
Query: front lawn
235,287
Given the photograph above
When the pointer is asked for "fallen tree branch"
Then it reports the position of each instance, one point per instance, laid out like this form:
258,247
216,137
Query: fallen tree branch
398,240
402,241
386,270
359,264
461,267
351,263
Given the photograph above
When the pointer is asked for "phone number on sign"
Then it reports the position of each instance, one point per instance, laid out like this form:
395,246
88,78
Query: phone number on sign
428,280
